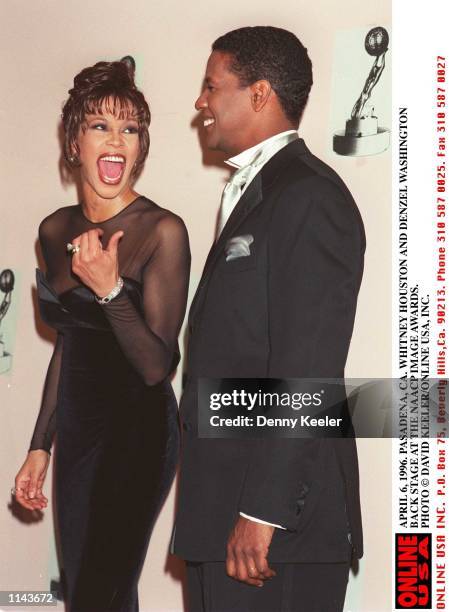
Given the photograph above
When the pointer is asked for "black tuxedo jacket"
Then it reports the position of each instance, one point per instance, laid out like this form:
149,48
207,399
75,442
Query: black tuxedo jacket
285,311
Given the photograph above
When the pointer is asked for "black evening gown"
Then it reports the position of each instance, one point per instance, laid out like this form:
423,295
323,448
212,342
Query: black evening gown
108,398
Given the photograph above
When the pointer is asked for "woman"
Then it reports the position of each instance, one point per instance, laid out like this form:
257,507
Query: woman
116,290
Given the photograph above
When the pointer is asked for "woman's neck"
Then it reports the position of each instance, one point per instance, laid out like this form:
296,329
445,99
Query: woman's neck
98,209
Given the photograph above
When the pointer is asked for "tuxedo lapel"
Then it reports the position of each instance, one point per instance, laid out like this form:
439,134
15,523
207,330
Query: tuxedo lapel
251,198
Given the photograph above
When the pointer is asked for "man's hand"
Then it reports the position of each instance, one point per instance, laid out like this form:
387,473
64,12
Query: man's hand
247,552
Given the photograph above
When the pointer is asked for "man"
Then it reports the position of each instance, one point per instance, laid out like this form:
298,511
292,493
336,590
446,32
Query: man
279,514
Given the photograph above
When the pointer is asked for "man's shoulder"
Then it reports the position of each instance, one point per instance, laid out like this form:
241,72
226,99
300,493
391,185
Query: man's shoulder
305,182
305,171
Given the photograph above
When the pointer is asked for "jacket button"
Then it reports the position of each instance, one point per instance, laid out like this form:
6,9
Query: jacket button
303,491
186,426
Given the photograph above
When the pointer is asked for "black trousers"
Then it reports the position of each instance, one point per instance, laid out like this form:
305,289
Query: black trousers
297,587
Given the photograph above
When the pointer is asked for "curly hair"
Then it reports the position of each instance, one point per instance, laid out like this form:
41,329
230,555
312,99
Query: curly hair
109,86
275,55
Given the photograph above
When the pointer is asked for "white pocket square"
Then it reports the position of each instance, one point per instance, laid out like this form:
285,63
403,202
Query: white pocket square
238,246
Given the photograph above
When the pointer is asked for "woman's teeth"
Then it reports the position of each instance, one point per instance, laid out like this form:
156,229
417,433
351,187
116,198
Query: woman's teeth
114,158
208,122
111,168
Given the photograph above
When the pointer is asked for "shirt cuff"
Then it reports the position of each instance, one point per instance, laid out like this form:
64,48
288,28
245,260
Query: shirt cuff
258,520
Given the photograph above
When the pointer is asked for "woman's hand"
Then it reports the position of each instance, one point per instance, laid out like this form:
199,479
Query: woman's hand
30,480
95,266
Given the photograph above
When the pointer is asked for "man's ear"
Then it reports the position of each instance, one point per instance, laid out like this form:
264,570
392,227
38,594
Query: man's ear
260,92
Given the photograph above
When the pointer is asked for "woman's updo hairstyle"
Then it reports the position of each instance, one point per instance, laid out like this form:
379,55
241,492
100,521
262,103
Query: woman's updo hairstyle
109,86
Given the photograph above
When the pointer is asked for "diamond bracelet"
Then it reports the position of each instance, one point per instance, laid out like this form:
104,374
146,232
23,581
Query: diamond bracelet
114,293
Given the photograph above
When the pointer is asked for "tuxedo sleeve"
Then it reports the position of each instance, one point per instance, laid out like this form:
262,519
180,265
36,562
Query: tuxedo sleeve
315,262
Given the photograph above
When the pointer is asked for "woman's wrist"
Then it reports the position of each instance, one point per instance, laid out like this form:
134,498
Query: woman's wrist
104,286
35,451
105,299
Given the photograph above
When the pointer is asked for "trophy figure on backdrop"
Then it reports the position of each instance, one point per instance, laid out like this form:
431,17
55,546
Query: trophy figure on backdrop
6,287
362,135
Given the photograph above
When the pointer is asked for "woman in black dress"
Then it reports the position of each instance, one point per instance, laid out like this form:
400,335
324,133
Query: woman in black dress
115,289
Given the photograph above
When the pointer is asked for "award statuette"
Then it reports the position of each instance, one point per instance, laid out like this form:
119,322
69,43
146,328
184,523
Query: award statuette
6,287
362,135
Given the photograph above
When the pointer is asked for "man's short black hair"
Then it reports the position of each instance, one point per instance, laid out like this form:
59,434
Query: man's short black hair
275,55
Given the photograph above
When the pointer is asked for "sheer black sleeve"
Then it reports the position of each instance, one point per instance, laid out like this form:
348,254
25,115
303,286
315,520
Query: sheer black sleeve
45,428
150,341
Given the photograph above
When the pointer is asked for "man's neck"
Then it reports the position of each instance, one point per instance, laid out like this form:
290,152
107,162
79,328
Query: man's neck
245,156
261,136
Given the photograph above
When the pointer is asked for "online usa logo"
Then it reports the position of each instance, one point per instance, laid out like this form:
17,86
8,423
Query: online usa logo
413,586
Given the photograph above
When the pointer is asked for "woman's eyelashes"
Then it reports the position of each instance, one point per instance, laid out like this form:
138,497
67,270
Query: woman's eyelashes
102,127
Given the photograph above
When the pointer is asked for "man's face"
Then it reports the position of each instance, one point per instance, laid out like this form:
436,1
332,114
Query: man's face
225,107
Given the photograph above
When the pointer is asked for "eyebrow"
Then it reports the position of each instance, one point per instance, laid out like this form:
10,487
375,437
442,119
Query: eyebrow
97,116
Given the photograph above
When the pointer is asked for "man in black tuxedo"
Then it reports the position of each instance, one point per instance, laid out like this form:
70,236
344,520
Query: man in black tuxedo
277,299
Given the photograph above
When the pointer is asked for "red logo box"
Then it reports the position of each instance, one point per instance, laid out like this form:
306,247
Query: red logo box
413,571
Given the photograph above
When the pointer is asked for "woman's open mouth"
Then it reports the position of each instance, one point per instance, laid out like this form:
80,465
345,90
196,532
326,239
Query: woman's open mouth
111,168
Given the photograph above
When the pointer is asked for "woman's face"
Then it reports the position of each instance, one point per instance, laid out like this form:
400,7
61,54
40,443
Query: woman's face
108,149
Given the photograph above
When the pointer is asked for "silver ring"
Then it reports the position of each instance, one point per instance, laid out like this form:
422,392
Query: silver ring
14,490
73,248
